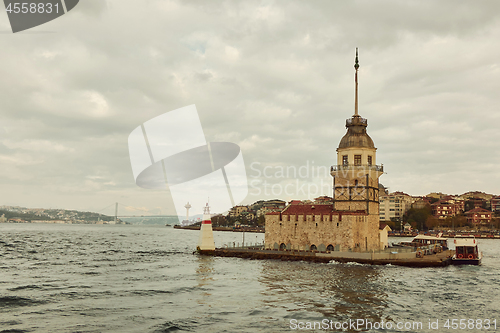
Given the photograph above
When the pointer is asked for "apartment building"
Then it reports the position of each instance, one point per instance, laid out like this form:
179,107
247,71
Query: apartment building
394,206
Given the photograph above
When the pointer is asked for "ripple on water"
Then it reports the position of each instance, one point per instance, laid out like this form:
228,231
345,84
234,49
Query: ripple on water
189,325
135,279
17,301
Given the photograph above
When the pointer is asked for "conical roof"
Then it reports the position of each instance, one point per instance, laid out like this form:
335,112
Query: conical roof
356,135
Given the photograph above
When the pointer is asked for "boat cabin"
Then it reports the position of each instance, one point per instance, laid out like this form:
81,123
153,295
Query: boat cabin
466,248
424,240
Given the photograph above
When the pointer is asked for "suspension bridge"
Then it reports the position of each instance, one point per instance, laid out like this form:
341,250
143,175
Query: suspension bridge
145,213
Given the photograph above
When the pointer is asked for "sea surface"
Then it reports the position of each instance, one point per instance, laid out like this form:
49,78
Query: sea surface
122,278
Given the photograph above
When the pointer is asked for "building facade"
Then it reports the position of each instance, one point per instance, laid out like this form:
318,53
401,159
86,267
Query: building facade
478,216
237,210
447,208
495,204
351,221
394,206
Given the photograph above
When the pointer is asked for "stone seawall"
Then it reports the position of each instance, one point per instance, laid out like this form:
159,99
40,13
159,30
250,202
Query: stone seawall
401,259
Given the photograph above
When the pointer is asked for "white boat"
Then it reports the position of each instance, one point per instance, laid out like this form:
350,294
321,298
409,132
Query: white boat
466,252
424,240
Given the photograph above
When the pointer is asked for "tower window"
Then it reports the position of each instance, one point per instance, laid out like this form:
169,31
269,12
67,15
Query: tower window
344,160
369,160
357,159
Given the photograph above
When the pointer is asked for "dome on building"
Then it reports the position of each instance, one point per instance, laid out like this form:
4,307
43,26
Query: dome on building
356,135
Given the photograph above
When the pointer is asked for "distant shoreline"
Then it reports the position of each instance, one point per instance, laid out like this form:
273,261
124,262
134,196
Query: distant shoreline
260,230
485,234
481,235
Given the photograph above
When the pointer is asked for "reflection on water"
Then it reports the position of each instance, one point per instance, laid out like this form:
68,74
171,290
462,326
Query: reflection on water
335,291
204,277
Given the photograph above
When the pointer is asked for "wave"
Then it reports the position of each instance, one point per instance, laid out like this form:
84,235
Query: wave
189,325
29,286
15,301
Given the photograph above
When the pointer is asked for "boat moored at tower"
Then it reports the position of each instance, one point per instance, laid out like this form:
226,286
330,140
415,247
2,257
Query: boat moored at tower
466,252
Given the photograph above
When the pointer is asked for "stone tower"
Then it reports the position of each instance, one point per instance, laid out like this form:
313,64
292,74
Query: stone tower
355,177
351,222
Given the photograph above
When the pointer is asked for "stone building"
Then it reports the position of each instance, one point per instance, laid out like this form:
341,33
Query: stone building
351,221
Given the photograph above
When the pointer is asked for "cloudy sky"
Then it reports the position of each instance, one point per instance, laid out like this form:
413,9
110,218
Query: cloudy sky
274,77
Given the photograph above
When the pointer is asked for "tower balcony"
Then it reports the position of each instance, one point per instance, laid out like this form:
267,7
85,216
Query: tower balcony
356,120
359,167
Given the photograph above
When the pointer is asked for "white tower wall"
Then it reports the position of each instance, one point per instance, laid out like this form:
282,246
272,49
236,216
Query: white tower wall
206,241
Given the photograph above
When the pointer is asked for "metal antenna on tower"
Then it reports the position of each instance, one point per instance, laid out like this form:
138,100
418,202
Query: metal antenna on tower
356,66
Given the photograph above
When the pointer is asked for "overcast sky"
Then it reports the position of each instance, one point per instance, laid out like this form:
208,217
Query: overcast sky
274,77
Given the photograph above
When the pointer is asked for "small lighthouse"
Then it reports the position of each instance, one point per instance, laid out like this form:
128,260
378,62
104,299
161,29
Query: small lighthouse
206,242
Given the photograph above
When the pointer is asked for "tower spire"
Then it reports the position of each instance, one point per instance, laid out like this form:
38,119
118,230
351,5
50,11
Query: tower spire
356,66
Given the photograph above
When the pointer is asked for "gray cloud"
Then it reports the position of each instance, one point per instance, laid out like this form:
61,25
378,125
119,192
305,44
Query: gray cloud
274,77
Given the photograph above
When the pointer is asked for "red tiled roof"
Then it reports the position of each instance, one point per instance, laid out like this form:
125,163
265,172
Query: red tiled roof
478,210
308,209
381,226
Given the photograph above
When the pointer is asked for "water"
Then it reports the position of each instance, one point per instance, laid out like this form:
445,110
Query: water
117,278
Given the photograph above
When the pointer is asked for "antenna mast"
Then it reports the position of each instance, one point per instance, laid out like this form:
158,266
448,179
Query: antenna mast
356,66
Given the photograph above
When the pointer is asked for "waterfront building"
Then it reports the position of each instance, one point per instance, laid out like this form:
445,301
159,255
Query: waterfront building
495,204
350,221
457,201
394,206
237,210
447,208
478,216
270,206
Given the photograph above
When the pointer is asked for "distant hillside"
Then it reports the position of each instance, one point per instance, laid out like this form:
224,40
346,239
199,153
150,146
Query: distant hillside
29,214
464,196
25,216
